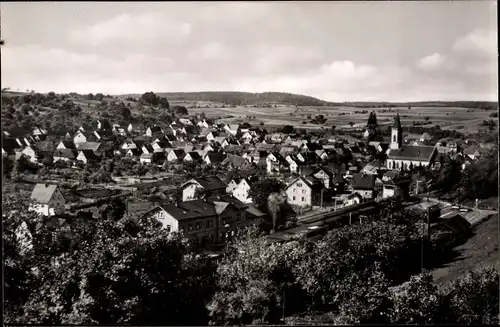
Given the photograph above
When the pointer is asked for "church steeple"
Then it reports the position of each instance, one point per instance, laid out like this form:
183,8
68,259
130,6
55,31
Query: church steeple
396,134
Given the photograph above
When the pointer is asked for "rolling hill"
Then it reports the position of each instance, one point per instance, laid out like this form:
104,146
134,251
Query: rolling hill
247,98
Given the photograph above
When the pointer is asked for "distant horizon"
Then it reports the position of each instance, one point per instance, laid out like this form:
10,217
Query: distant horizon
226,91
380,51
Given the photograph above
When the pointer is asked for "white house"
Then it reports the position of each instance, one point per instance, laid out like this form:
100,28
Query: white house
79,138
30,153
203,124
48,200
304,192
175,155
213,185
275,161
232,129
240,190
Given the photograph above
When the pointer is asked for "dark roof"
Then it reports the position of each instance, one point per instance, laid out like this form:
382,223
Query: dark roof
363,181
148,147
44,146
69,144
236,161
211,183
189,209
412,152
179,153
310,181
156,129
89,154
228,199
215,156
9,144
65,153
135,152
194,155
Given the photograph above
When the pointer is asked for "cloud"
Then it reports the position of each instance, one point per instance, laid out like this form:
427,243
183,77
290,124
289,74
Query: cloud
479,41
431,62
132,29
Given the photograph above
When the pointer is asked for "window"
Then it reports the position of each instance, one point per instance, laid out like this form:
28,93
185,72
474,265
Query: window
238,217
198,225
293,198
169,228
299,184
294,190
303,191
394,138
303,198
190,227
209,223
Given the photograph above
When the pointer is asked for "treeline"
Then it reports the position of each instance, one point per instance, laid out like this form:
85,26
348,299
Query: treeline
244,98
486,105
115,271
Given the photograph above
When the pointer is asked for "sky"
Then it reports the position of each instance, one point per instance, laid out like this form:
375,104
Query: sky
336,51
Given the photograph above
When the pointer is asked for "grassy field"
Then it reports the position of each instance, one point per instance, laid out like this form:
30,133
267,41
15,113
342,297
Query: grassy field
480,250
461,119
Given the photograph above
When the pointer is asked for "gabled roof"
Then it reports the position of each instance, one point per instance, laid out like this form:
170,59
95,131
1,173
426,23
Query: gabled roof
209,183
179,153
42,193
236,161
88,146
189,209
88,154
69,144
194,155
411,152
65,153
310,181
44,146
363,181
155,129
215,157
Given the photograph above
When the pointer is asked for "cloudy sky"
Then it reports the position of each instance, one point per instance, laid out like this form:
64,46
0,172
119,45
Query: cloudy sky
336,51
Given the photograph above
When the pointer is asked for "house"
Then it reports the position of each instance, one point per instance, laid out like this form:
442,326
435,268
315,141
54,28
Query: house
213,158
364,184
353,199
275,162
192,156
48,200
375,167
79,137
161,146
232,129
86,156
65,155
30,153
152,158
135,127
147,149
472,152
66,145
209,134
425,137
128,144
203,124
155,130
240,189
304,192
175,155
258,157
185,121
288,149
404,157
93,146
134,153
209,185
209,221
294,163
236,162
307,158
324,175
395,187
444,146
369,132
39,131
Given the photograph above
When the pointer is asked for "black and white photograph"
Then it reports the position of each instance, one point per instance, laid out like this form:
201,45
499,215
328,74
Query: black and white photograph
222,163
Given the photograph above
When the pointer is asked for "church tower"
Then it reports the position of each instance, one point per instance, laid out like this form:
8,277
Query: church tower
396,134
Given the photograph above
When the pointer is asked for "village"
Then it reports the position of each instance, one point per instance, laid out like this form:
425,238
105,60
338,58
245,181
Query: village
197,176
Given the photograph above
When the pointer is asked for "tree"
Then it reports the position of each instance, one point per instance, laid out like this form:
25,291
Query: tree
473,298
254,280
150,98
114,210
288,129
126,113
102,272
99,97
260,190
164,103
372,120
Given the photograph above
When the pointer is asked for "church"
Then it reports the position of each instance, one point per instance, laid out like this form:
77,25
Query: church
405,157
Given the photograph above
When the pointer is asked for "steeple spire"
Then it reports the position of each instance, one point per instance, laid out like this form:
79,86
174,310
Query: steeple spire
397,121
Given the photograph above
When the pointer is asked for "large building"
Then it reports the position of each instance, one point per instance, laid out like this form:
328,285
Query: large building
405,157
47,200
